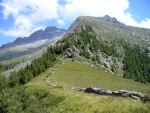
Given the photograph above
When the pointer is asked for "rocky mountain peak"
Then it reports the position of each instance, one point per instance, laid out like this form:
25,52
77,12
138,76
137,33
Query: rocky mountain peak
36,33
50,28
111,19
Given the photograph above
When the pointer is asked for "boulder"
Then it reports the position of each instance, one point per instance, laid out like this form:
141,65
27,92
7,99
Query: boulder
135,93
123,93
104,92
68,54
135,97
108,92
116,93
91,90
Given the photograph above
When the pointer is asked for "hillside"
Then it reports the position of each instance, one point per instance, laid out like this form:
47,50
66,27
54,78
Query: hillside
69,101
109,44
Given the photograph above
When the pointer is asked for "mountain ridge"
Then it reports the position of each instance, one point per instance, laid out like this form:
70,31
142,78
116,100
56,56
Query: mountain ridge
107,28
36,42
48,33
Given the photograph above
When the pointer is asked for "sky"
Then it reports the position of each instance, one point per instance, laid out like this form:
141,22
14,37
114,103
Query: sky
20,18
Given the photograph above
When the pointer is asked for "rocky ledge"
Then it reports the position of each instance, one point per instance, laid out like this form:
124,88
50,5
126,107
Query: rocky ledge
122,93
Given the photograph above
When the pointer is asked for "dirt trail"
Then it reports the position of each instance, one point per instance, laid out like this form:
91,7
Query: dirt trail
47,78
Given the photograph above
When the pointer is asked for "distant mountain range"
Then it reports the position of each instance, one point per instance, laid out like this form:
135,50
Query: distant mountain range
49,33
27,45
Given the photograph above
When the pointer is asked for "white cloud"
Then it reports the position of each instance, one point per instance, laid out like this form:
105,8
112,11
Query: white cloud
61,22
29,14
75,8
145,23
21,31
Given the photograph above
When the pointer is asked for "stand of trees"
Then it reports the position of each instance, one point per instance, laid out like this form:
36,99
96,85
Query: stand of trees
137,64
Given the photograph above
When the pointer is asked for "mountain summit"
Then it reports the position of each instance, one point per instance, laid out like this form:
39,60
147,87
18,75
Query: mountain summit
111,19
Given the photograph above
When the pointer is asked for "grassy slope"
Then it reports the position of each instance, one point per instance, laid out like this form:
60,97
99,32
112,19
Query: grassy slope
79,75
56,100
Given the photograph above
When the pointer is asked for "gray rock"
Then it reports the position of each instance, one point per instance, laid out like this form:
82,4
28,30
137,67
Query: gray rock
104,92
124,93
116,93
135,97
69,50
91,90
108,92
135,93
99,91
68,54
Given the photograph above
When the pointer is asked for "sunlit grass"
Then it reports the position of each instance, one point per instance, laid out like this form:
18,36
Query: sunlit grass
79,75
58,100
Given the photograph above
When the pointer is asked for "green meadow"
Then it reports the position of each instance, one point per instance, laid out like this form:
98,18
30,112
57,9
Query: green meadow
40,97
80,75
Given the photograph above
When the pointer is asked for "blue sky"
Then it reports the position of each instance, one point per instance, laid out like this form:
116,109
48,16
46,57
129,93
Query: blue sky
19,18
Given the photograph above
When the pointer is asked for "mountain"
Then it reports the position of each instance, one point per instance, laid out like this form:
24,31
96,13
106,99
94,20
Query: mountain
106,43
48,33
101,42
37,41
110,30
